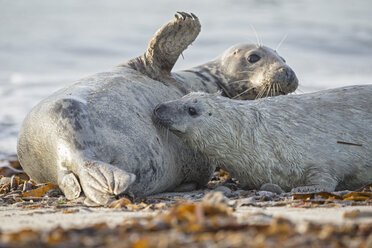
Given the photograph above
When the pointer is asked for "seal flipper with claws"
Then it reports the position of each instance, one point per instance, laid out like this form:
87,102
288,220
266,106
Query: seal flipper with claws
99,180
166,46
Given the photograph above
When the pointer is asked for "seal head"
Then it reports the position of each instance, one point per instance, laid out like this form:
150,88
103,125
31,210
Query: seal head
182,116
255,71
244,72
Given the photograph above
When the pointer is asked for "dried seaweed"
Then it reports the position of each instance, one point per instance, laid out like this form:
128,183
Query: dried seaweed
205,219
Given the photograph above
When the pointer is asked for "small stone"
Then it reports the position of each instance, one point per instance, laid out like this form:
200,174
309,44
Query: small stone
5,180
266,198
271,187
231,185
225,190
188,196
239,192
54,192
265,193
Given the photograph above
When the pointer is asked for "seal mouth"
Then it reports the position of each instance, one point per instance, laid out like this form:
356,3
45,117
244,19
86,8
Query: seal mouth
163,122
168,124
176,131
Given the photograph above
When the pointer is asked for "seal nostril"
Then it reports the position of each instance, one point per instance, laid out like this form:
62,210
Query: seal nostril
159,109
287,72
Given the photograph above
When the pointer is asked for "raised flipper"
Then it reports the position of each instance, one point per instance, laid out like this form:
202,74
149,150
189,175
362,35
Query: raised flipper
166,46
101,181
171,40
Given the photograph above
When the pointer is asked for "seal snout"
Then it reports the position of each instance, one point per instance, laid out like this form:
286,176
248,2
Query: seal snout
161,114
159,109
288,79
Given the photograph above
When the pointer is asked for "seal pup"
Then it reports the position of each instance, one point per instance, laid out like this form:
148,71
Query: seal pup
319,141
97,135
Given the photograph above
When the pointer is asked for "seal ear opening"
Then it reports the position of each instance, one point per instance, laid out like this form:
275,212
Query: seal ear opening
236,51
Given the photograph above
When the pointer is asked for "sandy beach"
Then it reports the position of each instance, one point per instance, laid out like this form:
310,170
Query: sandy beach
46,218
42,216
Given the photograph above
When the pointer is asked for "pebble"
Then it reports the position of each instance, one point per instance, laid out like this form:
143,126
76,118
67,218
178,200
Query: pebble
5,180
225,190
274,188
265,193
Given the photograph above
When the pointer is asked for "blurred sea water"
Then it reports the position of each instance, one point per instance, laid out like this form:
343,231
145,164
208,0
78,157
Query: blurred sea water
45,45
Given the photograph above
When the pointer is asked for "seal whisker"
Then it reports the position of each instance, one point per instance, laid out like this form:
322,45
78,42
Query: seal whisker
242,80
281,42
243,92
260,94
301,91
257,37
244,71
277,93
268,90
168,135
263,92
280,87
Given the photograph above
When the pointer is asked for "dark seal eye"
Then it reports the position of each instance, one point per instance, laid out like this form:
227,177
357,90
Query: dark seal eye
192,111
253,58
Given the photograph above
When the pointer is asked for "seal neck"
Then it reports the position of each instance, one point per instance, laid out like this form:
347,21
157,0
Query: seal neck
207,78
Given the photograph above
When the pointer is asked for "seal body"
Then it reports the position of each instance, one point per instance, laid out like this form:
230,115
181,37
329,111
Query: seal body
309,142
105,121
97,135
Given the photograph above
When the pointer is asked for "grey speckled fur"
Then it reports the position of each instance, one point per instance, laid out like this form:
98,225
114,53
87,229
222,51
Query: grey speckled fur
97,135
310,142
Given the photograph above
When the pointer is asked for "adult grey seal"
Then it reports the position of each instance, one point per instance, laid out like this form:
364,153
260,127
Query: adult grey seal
97,134
311,142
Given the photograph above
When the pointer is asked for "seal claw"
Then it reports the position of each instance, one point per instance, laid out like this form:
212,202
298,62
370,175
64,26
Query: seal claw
181,14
